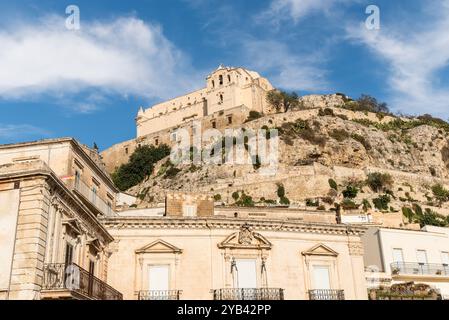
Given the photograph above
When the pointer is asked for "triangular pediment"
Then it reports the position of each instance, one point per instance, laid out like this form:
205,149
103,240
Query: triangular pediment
159,246
73,225
94,244
320,250
245,239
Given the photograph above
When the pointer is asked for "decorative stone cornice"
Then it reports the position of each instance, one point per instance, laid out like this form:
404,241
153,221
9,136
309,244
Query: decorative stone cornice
230,224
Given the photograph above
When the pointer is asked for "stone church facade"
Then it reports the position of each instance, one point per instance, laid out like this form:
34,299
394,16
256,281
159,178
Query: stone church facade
226,101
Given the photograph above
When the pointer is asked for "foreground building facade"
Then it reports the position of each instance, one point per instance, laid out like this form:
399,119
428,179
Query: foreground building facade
52,245
196,254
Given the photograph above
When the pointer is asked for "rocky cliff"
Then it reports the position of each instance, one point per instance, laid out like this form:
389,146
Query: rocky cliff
322,142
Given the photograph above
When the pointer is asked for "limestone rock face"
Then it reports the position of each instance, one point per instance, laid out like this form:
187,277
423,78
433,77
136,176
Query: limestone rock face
344,146
322,101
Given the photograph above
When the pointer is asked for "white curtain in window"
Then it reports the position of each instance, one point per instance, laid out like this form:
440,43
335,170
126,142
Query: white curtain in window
321,277
159,277
246,269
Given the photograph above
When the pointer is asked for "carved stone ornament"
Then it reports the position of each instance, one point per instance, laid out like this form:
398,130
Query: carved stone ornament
246,238
245,234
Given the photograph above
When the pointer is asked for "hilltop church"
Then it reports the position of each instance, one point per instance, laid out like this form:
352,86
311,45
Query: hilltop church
225,102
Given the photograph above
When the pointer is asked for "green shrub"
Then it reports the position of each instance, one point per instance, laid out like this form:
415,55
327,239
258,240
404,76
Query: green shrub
381,203
362,140
281,190
140,165
321,208
235,195
379,181
284,200
253,115
217,197
440,193
171,172
339,134
326,112
366,205
245,201
348,204
350,192
333,184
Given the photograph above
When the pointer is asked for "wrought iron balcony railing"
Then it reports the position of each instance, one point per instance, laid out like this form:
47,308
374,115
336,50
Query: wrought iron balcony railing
398,268
249,294
160,295
326,294
61,276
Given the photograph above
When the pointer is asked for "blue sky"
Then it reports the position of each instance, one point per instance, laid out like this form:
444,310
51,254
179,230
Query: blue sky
90,83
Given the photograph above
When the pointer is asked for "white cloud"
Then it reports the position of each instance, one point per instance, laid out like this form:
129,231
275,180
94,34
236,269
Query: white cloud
287,70
297,9
415,60
14,131
126,56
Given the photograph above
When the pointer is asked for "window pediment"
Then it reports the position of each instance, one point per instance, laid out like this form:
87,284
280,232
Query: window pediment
73,225
320,250
246,238
159,246
95,245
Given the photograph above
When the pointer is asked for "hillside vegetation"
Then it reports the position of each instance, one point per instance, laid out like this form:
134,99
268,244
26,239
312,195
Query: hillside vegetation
335,154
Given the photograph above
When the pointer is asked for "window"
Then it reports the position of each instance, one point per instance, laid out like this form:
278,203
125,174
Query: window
445,258
126,150
246,273
221,98
156,141
68,258
77,179
229,119
214,124
220,79
229,78
94,194
109,204
190,210
398,255
159,277
421,256
173,136
321,277
213,84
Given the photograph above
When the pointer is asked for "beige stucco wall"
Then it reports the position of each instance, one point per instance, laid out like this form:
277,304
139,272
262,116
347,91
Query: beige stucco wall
9,207
203,266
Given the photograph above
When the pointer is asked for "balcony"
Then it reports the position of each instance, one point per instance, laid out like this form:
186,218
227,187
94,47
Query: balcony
424,269
249,294
73,282
160,295
91,198
326,294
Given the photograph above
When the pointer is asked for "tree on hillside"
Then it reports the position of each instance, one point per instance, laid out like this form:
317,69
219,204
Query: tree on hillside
282,101
140,165
368,103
